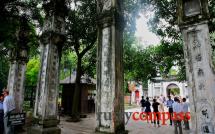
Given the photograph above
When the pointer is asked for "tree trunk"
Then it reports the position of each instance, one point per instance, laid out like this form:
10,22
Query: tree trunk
77,92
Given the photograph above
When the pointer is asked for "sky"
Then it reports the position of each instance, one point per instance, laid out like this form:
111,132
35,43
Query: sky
144,35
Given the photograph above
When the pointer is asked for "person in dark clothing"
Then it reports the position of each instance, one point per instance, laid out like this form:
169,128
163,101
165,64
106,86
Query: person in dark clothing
155,110
142,102
1,114
148,108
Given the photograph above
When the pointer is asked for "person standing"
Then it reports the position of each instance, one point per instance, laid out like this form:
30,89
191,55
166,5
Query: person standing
185,107
177,109
1,114
169,105
9,107
148,108
155,110
161,106
142,103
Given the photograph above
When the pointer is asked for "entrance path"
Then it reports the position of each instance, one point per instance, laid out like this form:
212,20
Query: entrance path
87,126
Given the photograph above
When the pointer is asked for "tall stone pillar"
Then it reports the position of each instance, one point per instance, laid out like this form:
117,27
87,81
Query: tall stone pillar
110,102
18,61
52,39
193,15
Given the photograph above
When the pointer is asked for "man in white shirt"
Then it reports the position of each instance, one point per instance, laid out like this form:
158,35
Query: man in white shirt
9,107
185,107
177,108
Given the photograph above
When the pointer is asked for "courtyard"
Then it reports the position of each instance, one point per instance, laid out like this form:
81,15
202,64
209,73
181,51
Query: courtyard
87,126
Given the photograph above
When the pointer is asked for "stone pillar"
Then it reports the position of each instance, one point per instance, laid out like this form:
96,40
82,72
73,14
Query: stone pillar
193,23
110,99
52,39
18,61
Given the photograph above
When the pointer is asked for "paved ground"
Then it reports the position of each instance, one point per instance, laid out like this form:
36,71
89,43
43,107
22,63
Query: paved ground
87,126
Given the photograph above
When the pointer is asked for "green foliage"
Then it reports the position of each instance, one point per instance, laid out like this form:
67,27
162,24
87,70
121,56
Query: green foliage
82,34
143,64
175,91
32,71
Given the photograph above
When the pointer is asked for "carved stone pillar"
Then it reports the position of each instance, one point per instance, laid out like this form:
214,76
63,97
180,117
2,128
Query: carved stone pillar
52,39
110,99
193,15
18,61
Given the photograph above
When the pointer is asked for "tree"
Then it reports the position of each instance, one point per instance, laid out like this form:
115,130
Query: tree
32,71
81,37
164,24
12,13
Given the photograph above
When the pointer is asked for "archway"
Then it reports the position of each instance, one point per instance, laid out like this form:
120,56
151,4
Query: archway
172,90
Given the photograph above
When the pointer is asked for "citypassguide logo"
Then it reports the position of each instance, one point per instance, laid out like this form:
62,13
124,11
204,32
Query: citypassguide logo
149,116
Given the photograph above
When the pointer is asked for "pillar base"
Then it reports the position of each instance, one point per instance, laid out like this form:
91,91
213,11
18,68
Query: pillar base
42,130
118,130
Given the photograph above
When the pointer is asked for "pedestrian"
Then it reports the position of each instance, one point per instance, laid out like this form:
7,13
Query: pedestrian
1,114
185,107
142,103
148,109
9,107
177,109
169,103
161,106
156,111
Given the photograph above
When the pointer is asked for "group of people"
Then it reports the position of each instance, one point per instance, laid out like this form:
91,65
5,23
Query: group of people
174,106
7,106
146,107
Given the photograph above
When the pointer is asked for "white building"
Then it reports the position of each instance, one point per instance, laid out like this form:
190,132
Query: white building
158,86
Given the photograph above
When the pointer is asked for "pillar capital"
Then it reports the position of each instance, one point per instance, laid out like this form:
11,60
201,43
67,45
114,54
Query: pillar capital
192,11
19,55
110,17
110,13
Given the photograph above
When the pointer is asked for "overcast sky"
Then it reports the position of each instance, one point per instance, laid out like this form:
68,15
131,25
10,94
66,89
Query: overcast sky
143,33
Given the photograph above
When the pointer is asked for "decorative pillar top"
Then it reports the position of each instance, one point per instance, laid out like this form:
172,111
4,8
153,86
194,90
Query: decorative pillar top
54,26
192,11
20,51
110,12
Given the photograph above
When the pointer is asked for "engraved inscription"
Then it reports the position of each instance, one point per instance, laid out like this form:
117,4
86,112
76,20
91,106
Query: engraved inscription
198,57
201,86
196,43
200,72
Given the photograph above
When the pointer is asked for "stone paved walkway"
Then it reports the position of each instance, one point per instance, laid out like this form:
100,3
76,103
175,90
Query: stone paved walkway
87,126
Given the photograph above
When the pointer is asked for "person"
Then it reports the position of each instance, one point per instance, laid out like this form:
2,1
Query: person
1,114
185,107
9,107
142,103
169,105
177,108
161,106
155,110
148,108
